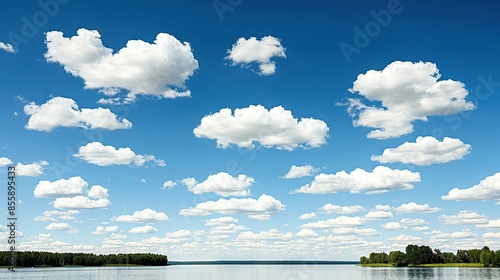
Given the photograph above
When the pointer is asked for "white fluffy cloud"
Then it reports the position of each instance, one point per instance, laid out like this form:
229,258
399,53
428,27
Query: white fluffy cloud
246,51
305,232
98,154
355,230
105,230
64,112
5,161
147,215
34,169
7,47
490,224
413,222
377,215
63,187
341,221
300,171
273,234
52,215
80,202
62,227
408,92
487,189
413,207
220,221
308,216
464,218
425,151
159,69
98,192
270,128
261,209
169,184
392,226
337,209
222,184
143,229
382,179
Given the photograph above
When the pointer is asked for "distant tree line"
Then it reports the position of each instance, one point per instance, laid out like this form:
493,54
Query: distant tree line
417,255
36,258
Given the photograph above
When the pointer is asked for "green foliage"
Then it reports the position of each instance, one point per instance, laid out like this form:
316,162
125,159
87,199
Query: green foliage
397,258
424,255
35,258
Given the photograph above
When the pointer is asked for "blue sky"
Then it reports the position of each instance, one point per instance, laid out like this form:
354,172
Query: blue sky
210,130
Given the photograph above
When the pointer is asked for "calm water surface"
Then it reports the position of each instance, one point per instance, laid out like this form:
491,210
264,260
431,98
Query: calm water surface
247,272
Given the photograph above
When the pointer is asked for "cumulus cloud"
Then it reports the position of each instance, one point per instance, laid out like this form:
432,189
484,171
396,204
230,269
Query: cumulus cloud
144,229
98,192
464,218
377,215
260,208
413,207
34,169
64,112
61,227
53,215
169,184
273,234
7,47
270,128
253,50
222,184
337,209
413,222
104,230
425,151
392,226
355,230
220,221
341,221
80,202
159,69
307,216
491,235
305,232
300,171
490,224
147,215
5,161
98,154
408,92
382,179
63,187
487,189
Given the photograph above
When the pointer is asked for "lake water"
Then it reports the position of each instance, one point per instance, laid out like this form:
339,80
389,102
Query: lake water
247,272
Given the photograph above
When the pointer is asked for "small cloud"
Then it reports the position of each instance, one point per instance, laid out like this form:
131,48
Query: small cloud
300,171
487,189
413,207
147,215
425,151
64,112
308,216
253,50
168,184
145,229
7,47
143,181
98,154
